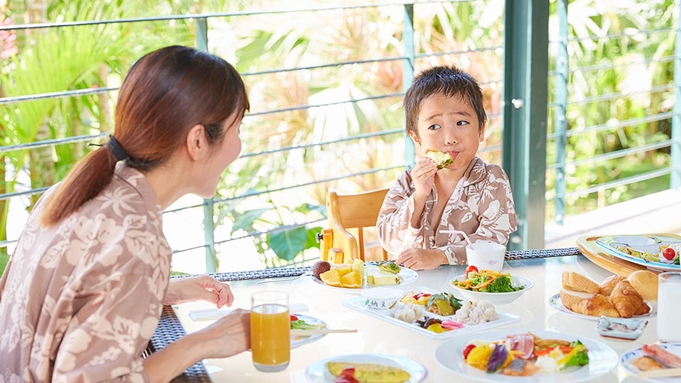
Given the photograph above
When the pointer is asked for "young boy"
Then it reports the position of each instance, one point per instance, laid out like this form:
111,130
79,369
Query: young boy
444,113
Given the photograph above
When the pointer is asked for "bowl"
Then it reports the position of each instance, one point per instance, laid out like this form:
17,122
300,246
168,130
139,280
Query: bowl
621,328
494,298
381,298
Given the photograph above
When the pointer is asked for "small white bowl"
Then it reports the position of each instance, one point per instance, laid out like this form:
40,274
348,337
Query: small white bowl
381,298
494,298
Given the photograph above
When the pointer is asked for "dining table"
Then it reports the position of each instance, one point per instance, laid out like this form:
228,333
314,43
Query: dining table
380,337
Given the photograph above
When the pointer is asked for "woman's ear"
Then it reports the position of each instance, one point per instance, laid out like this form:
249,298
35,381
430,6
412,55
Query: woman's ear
197,143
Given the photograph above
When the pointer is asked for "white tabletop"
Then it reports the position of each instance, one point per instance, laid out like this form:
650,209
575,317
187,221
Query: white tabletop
377,336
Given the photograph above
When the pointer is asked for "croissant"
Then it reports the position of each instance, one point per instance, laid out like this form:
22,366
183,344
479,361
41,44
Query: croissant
609,284
597,305
643,309
626,299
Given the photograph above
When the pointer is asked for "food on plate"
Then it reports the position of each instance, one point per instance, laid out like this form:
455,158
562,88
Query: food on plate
342,276
488,281
300,324
615,297
417,298
472,313
645,282
320,267
606,287
646,363
661,355
409,313
597,305
525,354
443,304
470,269
577,282
388,267
626,299
383,279
369,372
442,159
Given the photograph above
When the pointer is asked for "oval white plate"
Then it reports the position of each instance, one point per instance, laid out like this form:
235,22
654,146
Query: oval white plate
555,303
318,373
494,298
602,359
406,275
297,341
629,356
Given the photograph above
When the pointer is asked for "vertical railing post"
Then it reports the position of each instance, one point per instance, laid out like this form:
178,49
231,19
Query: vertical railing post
408,75
208,205
524,111
560,122
676,120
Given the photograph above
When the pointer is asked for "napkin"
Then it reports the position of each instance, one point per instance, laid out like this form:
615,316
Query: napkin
214,313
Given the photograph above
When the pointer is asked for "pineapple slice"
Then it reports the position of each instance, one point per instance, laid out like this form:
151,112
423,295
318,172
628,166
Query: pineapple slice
441,158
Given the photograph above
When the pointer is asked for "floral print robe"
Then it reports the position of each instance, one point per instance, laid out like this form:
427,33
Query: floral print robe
481,206
79,301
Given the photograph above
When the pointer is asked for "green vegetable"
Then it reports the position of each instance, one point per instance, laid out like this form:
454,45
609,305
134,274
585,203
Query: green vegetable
676,259
501,285
580,359
445,302
389,267
302,325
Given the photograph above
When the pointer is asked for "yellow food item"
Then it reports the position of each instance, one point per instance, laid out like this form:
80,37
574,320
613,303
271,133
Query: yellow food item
358,266
383,279
352,279
442,159
343,269
479,356
331,278
370,373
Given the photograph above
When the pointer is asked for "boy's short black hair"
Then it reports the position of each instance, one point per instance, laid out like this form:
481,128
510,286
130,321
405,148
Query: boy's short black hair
449,81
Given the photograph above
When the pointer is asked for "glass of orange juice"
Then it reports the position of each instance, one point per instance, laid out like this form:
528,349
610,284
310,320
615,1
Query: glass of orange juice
270,330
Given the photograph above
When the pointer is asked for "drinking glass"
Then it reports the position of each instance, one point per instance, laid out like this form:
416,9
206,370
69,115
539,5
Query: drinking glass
668,307
270,330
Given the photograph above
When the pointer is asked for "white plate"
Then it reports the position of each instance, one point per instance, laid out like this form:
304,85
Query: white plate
502,320
297,341
318,373
406,275
555,303
602,359
643,243
629,356
494,298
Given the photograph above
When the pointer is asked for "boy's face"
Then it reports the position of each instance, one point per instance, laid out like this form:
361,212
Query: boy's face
449,125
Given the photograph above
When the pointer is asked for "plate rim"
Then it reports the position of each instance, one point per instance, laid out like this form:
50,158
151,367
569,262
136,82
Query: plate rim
626,257
541,332
556,299
402,360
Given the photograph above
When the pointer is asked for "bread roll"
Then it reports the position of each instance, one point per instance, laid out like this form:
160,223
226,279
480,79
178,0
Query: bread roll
609,284
645,283
570,298
596,306
626,299
577,282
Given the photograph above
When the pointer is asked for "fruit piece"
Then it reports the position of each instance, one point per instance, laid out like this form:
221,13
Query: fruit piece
383,279
352,279
331,278
320,267
436,328
669,253
471,268
442,159
342,269
389,267
468,350
358,266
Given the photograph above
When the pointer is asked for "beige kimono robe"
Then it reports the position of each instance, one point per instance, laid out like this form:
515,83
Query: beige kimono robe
80,301
481,205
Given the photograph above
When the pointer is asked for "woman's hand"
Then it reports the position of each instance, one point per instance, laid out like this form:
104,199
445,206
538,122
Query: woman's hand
229,335
421,259
206,288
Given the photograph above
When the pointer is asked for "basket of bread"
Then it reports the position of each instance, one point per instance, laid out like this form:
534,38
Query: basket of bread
615,297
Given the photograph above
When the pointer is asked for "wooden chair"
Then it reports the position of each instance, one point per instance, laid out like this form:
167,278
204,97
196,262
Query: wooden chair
350,211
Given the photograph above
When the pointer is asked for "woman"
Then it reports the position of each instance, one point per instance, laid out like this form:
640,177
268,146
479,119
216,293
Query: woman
84,289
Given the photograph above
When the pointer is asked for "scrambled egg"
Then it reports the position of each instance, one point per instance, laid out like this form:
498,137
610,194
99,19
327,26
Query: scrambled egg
370,373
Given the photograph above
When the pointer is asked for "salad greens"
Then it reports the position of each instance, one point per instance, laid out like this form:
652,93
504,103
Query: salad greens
300,324
487,281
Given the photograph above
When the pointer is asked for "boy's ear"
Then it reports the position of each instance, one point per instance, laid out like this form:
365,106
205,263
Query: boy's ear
414,137
481,133
197,143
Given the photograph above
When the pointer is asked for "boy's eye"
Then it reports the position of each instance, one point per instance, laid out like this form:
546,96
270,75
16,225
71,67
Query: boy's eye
434,127
463,123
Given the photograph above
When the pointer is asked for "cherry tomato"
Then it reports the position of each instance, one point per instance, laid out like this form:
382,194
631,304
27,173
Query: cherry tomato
669,253
468,350
419,295
471,269
294,318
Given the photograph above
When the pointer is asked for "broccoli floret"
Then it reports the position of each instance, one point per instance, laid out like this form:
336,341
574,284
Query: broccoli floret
500,285
580,359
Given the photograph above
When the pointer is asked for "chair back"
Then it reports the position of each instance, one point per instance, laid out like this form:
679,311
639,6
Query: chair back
350,211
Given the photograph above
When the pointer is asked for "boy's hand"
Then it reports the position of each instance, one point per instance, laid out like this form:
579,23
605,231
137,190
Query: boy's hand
421,259
423,175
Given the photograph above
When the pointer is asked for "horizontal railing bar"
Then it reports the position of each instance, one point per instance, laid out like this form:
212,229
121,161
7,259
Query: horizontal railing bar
610,96
66,93
214,15
308,106
23,193
608,126
616,35
321,66
459,52
611,66
57,141
615,154
623,181
6,243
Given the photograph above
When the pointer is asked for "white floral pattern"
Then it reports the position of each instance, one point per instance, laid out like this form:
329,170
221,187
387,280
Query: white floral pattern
481,206
79,301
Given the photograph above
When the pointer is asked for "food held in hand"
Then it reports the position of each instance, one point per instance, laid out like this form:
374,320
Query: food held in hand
442,159
320,267
369,372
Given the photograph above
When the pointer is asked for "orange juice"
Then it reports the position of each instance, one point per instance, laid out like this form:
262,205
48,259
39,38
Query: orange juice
270,337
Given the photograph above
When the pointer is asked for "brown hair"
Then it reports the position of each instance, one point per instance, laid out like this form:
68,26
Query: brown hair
164,94
449,81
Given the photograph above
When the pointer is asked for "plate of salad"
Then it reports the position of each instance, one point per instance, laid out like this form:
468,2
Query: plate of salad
497,287
305,322
512,355
656,251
